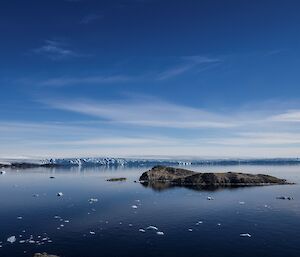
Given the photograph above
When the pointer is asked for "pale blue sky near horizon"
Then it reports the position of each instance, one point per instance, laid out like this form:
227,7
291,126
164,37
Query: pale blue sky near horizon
150,78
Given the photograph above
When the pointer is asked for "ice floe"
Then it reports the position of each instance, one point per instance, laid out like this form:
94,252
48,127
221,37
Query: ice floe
152,228
11,239
245,235
93,200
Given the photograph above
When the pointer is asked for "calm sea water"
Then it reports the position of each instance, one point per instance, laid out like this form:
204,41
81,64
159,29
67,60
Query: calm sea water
71,226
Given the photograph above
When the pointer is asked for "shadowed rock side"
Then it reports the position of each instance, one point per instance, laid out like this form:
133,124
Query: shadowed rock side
161,177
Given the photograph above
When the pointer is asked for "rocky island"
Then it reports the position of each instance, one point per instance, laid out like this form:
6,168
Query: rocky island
160,177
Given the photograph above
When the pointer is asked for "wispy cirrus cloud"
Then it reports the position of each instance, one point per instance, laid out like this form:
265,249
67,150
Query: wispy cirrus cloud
141,110
258,139
149,125
188,63
147,112
99,79
90,18
288,116
56,50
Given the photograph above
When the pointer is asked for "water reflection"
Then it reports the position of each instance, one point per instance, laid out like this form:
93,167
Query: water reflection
274,224
161,186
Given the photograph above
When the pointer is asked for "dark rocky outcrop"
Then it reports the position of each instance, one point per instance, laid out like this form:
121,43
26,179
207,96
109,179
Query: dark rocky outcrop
27,165
162,177
116,179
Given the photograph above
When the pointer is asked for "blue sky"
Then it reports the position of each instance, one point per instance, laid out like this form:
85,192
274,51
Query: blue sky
149,78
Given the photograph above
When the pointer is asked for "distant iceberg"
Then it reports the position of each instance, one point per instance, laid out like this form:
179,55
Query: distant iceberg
139,162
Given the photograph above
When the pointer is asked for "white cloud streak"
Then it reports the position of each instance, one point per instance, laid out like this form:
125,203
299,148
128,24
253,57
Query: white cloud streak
55,50
188,63
90,18
149,126
71,81
146,112
289,116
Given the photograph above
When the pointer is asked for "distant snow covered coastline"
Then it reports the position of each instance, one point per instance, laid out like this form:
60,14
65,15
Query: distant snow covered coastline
128,162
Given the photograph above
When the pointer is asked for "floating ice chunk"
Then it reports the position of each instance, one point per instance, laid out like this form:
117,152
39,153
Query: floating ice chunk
31,242
210,198
67,221
22,241
219,224
2,172
152,228
20,217
92,233
245,235
59,194
241,202
35,195
142,230
190,230
57,217
93,200
160,233
134,207
11,239
199,222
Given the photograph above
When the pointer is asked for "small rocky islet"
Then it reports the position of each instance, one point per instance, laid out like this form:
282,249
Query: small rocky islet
116,179
183,177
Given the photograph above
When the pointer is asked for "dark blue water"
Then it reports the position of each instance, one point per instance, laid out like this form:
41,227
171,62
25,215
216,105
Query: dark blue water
274,224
